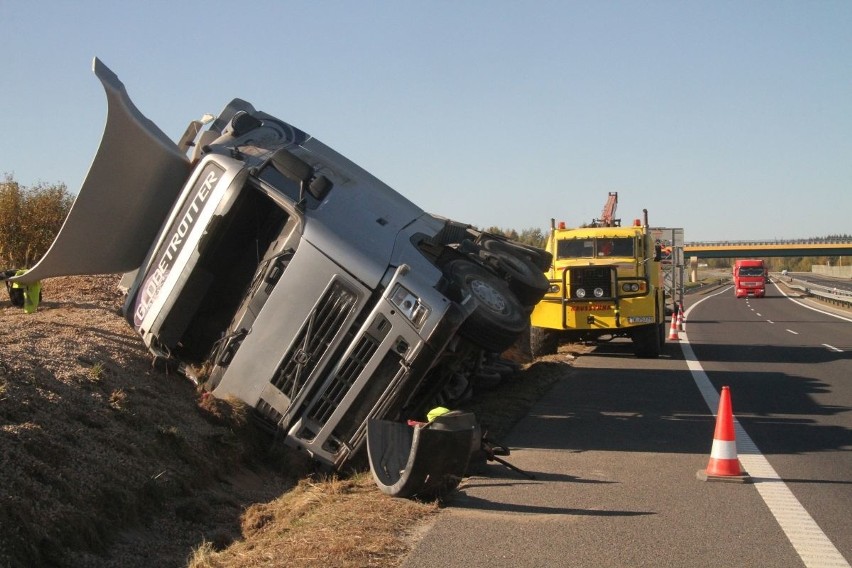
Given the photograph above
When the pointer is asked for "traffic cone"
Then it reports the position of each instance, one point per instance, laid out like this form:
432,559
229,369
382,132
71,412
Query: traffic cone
724,464
673,329
680,325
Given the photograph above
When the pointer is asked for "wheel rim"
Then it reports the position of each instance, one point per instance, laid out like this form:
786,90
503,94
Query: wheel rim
488,295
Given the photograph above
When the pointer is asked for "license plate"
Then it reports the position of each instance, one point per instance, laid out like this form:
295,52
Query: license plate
640,319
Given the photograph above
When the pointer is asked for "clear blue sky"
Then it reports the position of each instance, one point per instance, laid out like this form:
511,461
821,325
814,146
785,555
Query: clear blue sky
731,119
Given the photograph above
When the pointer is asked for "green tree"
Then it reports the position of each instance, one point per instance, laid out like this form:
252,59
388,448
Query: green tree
30,218
533,236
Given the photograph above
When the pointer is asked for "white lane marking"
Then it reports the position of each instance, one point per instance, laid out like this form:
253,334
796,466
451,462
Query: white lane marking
811,544
777,287
793,332
832,347
758,315
770,321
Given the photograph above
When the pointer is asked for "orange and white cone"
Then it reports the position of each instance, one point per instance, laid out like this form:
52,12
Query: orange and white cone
673,329
680,325
724,464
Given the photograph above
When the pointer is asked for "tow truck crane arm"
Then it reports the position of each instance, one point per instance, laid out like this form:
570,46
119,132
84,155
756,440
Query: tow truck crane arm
608,214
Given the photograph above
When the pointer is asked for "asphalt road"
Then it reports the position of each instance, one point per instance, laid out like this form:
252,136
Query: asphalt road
615,448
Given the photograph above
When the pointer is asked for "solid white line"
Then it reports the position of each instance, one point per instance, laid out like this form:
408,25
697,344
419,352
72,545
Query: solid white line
832,347
777,287
811,544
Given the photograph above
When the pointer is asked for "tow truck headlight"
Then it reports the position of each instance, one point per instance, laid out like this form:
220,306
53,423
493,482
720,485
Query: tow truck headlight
630,287
409,305
599,292
580,293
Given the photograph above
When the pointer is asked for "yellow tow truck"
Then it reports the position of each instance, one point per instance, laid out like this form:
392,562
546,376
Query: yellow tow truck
606,281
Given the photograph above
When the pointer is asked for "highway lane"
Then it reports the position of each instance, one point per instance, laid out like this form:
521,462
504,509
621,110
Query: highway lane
616,444
790,373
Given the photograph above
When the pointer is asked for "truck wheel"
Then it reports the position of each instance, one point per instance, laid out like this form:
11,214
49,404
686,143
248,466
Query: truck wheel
646,341
540,258
543,341
525,279
499,318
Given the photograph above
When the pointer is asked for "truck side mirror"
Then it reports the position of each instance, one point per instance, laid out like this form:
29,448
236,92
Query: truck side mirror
319,187
291,166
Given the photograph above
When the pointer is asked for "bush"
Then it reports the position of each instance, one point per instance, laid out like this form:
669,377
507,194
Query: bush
30,218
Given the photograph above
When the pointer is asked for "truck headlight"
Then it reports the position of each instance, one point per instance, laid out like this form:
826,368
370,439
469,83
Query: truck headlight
581,292
409,305
598,292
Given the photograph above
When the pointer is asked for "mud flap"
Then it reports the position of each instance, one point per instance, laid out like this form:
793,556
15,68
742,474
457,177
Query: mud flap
425,460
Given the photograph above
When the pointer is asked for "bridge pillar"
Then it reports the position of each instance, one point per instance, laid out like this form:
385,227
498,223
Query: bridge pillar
693,269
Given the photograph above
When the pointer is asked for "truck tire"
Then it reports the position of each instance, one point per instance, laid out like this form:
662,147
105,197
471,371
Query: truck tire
499,318
543,341
646,341
540,258
525,279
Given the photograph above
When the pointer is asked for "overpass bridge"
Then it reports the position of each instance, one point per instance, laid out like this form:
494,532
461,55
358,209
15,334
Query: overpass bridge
739,249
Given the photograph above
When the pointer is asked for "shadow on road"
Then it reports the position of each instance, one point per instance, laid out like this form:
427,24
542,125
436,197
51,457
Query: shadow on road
619,407
464,501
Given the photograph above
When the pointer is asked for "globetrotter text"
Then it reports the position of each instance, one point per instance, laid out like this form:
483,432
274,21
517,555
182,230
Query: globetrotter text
208,179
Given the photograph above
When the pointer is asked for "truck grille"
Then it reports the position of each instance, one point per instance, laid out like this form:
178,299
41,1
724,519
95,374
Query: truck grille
589,278
314,339
351,425
343,380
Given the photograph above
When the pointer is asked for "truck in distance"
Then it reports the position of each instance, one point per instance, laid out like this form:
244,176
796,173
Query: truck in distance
605,282
749,276
268,267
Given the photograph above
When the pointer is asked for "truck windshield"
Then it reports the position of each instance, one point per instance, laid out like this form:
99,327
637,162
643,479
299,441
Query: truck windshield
594,247
751,271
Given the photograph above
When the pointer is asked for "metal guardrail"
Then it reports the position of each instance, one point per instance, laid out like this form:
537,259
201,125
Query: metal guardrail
827,294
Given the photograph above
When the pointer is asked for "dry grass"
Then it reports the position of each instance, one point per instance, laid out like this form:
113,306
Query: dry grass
335,522
108,461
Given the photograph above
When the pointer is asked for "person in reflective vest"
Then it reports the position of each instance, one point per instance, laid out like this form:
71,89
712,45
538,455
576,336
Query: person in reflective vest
26,296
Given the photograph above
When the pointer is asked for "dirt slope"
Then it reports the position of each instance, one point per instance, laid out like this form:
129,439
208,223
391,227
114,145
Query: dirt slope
93,439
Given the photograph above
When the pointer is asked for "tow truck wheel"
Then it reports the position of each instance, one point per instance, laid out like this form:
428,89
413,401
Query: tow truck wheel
543,341
646,341
499,318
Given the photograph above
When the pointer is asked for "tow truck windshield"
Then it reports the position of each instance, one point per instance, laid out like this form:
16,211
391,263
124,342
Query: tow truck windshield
595,247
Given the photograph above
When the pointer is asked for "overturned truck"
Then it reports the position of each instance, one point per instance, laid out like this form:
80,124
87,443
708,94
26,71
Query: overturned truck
266,266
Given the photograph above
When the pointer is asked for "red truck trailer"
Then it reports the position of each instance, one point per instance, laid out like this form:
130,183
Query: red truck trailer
749,278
